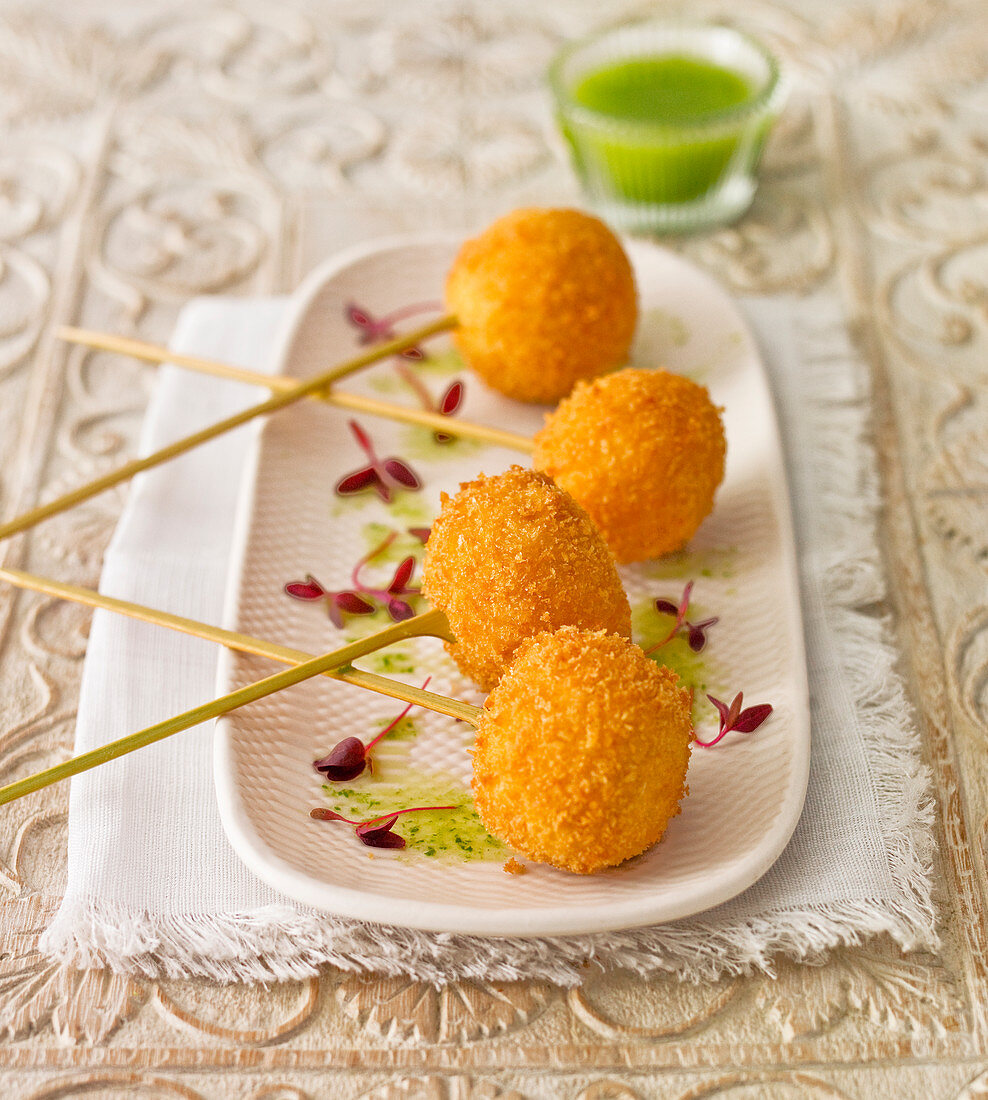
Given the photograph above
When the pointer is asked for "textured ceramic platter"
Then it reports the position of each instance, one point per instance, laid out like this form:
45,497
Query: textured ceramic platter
745,795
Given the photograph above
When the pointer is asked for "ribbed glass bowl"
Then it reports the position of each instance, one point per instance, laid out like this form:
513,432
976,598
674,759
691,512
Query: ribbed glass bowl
654,176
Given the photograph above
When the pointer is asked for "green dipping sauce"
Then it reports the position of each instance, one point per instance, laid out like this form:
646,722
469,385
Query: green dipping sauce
454,836
671,90
665,130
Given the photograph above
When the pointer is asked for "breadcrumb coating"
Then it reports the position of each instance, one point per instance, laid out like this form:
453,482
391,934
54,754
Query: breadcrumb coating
510,556
544,298
643,452
581,752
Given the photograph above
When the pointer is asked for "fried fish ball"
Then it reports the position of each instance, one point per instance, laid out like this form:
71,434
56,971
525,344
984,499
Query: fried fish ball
543,298
581,751
510,556
643,452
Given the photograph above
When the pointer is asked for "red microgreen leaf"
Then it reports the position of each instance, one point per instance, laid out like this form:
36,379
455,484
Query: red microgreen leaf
381,838
358,316
399,610
344,762
752,717
697,636
348,758
382,328
375,833
320,813
696,632
358,481
733,718
420,533
451,399
735,710
309,589
403,474
403,575
377,475
353,604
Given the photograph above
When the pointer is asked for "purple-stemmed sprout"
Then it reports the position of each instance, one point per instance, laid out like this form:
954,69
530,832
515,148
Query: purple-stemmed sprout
375,833
696,633
344,761
339,604
450,401
398,608
375,329
383,476
348,758
732,717
362,599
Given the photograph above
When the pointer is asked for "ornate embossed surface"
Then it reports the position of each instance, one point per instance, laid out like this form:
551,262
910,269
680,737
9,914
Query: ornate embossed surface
152,154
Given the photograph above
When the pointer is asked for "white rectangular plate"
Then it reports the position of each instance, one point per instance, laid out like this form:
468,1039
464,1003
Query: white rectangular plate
745,795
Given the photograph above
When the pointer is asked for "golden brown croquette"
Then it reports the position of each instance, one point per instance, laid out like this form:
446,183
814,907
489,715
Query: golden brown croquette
543,298
643,452
510,556
582,749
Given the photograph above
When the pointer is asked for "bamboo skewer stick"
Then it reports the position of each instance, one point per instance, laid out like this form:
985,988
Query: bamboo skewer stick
335,665
223,705
272,404
154,353
429,624
161,730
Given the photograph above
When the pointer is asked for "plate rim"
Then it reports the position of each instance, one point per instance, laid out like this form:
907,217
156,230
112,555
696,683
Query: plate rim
346,902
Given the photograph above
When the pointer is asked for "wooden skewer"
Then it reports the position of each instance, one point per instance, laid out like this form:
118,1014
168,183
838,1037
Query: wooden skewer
429,624
278,383
223,705
272,404
335,665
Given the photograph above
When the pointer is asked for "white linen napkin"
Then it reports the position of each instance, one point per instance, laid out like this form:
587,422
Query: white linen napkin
153,886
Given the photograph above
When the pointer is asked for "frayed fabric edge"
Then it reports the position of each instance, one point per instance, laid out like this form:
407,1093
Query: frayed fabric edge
264,946
853,582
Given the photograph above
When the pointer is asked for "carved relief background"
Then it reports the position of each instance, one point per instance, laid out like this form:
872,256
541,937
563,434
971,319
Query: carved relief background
152,154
